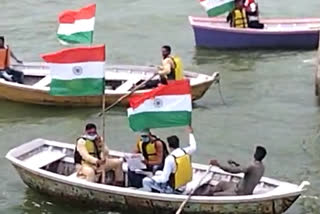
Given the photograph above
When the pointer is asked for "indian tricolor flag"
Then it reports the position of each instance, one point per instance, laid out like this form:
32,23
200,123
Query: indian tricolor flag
165,106
77,71
217,7
76,26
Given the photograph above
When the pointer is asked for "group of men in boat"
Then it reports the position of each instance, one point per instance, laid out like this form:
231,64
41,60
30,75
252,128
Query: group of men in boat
6,72
168,165
245,15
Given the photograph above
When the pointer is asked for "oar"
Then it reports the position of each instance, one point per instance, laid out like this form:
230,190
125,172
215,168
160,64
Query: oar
191,193
127,95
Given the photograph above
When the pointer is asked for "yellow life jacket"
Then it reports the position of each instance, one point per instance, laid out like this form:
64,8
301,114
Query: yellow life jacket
183,173
4,58
91,148
149,152
177,71
239,18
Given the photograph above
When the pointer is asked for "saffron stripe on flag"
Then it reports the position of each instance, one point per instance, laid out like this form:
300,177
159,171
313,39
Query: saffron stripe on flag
179,87
77,54
146,120
76,87
69,16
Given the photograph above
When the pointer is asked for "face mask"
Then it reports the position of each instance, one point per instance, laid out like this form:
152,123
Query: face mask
145,139
91,137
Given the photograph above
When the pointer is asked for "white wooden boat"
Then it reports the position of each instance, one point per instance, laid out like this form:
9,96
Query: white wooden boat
48,167
119,81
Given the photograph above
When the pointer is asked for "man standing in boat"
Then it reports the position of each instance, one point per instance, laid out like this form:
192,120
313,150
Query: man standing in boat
154,151
92,154
177,171
252,176
5,71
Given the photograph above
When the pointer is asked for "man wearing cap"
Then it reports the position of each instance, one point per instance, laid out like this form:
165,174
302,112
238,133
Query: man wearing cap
154,151
177,170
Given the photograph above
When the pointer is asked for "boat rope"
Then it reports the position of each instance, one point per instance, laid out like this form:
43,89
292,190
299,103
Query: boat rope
220,92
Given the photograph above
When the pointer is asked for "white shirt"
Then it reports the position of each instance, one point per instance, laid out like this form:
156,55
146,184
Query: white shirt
170,164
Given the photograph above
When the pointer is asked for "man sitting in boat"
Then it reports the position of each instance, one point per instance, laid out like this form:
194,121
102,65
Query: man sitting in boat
252,11
171,68
154,151
6,72
237,17
177,171
92,154
252,176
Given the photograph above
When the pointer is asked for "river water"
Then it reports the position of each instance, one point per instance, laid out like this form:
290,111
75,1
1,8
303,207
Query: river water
269,95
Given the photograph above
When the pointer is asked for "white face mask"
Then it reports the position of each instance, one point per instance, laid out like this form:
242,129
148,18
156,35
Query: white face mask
91,137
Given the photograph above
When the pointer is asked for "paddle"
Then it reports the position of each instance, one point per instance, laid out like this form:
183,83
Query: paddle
193,190
127,95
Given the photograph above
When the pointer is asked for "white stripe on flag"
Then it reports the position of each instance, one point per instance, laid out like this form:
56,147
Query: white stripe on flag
69,71
80,25
164,103
210,4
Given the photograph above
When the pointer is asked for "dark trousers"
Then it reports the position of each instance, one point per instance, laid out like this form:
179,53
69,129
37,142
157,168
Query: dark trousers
135,179
255,24
16,76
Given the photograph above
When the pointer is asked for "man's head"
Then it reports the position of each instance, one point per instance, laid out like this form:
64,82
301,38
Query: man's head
173,142
146,136
91,131
166,51
260,153
239,4
1,42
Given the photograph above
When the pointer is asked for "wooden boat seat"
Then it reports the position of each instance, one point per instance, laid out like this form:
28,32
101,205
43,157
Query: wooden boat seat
44,158
128,84
43,82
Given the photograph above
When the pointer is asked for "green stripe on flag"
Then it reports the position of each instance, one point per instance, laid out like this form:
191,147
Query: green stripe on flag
216,11
81,37
76,87
160,119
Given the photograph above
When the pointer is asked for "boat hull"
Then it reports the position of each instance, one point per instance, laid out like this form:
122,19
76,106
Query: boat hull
215,38
25,93
34,96
105,199
211,36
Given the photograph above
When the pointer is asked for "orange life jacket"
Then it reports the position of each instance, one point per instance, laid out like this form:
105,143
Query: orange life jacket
4,58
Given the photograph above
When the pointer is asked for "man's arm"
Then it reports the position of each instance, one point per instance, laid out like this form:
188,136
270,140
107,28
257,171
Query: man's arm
81,147
14,57
167,170
192,142
230,169
229,17
159,154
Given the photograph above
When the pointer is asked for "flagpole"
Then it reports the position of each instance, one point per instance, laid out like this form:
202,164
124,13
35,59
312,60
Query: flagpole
103,174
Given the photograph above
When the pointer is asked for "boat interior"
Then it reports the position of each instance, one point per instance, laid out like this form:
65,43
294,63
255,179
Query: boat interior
59,160
120,78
